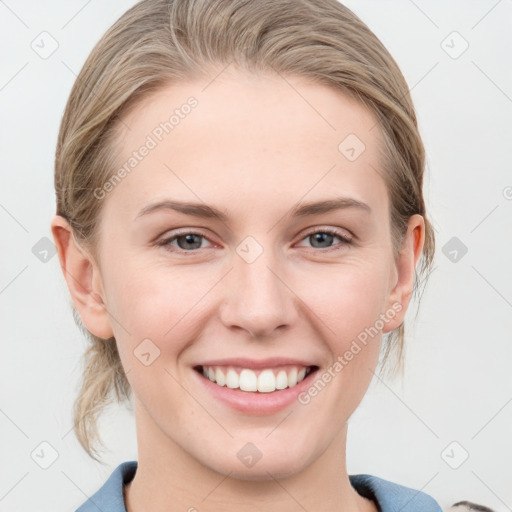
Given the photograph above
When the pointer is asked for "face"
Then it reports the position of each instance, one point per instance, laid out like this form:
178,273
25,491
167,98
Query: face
253,284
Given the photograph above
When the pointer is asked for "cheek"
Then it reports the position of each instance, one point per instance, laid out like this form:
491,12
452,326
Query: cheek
158,311
158,302
346,298
349,306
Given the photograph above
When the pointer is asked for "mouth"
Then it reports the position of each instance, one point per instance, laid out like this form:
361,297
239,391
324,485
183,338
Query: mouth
264,380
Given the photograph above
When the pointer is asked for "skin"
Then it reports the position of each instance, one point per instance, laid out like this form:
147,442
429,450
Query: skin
253,148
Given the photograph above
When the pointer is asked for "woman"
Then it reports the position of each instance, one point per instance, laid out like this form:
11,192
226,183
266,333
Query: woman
239,221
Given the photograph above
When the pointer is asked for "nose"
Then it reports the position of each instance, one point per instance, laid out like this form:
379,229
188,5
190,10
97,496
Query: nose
257,298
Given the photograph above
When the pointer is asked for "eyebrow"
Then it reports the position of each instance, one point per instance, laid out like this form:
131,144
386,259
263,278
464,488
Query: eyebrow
209,212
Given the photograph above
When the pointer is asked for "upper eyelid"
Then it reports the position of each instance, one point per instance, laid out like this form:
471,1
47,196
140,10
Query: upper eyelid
335,231
174,236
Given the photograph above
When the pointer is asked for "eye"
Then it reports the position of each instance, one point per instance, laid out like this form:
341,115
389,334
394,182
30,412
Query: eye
323,238
190,241
186,241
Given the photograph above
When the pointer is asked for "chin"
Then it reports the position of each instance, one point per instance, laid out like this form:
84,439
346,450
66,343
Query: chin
250,463
261,471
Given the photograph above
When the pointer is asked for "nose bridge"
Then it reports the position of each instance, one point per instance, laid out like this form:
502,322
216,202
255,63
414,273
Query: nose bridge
258,300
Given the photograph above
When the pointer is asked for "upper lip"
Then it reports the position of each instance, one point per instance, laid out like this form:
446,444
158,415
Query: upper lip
256,364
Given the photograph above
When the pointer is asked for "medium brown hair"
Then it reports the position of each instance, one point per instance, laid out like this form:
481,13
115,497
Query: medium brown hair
160,42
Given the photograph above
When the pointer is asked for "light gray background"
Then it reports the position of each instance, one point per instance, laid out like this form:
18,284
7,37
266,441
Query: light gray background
457,385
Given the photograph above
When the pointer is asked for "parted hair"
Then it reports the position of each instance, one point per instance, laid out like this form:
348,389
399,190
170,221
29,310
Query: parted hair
159,42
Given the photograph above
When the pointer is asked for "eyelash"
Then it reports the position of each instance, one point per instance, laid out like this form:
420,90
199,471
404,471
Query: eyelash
166,243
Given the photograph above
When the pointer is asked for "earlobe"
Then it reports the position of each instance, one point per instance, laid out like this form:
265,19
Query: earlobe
406,261
83,279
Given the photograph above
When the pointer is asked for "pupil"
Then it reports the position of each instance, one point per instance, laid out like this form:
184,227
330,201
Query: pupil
321,237
190,240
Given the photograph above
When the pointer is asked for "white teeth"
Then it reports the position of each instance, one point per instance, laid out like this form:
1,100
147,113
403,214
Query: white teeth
266,381
281,380
219,377
247,380
232,380
292,377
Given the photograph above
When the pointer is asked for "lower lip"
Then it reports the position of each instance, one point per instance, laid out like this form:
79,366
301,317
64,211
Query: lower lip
256,403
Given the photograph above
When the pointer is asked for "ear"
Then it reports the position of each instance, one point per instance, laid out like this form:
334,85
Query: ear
83,279
404,271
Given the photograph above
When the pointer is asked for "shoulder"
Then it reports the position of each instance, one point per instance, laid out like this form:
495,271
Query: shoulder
109,498
393,497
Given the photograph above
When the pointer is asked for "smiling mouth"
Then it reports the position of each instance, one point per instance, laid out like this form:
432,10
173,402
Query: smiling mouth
256,381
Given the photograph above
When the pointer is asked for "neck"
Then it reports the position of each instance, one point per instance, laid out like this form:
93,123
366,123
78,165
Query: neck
169,479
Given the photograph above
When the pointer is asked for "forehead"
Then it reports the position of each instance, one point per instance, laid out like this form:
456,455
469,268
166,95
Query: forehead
244,135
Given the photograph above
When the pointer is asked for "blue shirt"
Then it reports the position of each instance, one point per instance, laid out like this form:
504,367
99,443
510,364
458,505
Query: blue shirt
388,496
